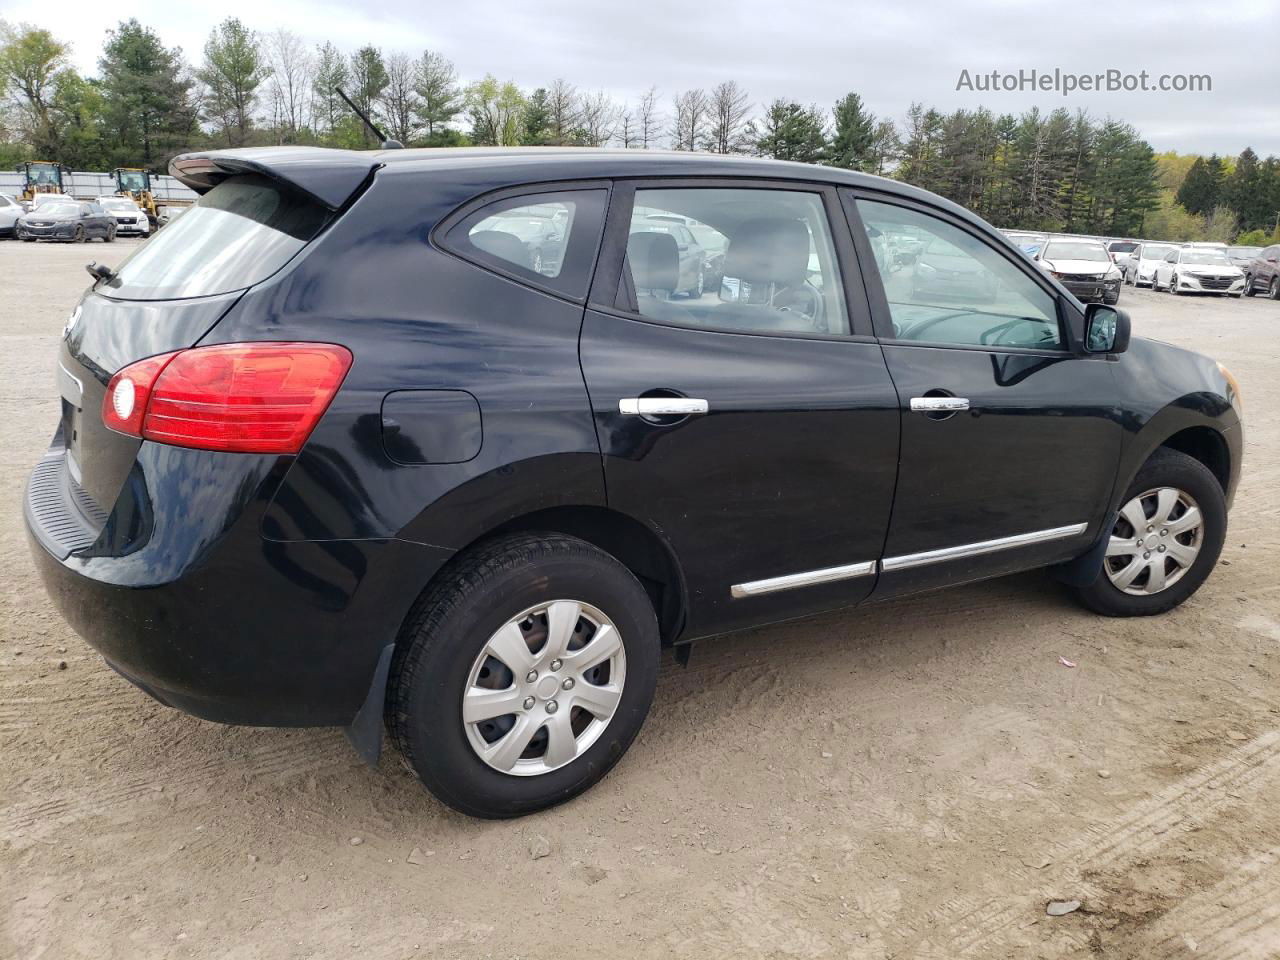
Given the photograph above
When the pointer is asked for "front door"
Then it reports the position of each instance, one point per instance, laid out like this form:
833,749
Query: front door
1010,436
754,427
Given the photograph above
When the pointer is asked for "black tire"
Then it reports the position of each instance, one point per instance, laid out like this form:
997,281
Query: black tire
1167,468
1110,300
1274,289
111,235
1248,285
1173,285
450,625
79,234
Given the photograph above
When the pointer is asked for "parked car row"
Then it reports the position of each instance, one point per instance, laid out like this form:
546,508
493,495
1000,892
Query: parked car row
1180,268
56,216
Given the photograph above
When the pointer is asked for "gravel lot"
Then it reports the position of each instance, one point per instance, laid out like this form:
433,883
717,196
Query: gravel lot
908,780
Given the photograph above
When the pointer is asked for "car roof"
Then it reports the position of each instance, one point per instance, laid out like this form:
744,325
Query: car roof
332,176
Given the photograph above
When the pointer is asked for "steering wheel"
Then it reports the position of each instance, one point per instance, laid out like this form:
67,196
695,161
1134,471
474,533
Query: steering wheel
806,302
995,336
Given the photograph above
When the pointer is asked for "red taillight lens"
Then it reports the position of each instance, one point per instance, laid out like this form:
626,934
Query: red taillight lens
125,404
241,397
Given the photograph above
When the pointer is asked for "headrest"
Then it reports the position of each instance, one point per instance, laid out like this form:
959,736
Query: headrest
769,250
505,246
655,261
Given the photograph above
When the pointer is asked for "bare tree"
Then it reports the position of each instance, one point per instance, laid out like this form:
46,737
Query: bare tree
597,118
728,108
689,127
292,69
648,119
626,131
563,112
399,98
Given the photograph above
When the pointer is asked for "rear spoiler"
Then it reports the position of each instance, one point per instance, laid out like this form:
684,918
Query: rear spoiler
329,176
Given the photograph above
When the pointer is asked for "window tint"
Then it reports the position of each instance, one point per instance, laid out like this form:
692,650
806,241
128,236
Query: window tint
548,238
532,237
955,287
238,234
735,259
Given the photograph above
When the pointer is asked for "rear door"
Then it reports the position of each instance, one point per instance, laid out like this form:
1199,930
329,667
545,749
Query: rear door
1010,436
754,427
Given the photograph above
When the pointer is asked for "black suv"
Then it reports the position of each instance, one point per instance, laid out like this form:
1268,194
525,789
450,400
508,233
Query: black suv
334,450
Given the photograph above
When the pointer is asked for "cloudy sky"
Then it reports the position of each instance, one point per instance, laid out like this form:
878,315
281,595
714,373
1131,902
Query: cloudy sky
812,52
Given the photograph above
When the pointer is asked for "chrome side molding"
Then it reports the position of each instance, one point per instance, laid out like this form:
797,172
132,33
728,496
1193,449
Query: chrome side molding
906,561
69,386
826,575
755,588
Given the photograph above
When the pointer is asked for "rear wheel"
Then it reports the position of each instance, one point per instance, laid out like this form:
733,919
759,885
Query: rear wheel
1164,542
522,677
79,236
1248,285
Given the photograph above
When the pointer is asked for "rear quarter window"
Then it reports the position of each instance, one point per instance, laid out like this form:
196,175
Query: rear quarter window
546,240
238,234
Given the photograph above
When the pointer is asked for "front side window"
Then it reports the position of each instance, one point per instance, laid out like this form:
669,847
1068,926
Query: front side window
735,259
955,288
549,239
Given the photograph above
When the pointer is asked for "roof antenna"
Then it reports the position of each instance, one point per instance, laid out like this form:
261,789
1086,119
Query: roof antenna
382,137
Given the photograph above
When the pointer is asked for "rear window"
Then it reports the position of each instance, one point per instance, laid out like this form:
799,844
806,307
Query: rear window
238,234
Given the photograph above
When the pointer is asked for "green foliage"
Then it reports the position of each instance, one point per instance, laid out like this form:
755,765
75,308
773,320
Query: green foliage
30,61
440,98
234,68
495,110
1201,190
1254,238
147,112
854,142
790,131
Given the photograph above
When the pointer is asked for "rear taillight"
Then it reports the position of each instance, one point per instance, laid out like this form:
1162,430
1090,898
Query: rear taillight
241,397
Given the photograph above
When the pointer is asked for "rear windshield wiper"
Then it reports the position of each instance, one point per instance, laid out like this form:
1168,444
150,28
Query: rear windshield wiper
99,271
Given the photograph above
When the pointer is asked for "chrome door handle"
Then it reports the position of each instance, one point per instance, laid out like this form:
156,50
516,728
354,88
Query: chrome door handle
662,406
936,404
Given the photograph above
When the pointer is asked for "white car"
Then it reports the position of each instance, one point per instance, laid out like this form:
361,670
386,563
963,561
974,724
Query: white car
1140,268
1082,266
10,211
1199,268
1121,251
129,217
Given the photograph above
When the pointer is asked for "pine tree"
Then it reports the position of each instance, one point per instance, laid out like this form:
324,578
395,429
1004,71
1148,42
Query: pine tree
854,142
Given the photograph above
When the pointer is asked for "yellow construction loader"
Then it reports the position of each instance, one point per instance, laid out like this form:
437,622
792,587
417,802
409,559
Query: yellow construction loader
42,176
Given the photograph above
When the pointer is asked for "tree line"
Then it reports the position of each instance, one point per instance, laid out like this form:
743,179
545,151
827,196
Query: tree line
1047,171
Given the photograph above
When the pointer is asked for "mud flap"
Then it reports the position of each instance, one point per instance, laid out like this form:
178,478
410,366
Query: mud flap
365,731
1087,567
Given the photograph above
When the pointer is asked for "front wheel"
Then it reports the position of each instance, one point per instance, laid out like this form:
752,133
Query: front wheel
1173,285
523,675
1164,542
79,234
1248,286
1274,290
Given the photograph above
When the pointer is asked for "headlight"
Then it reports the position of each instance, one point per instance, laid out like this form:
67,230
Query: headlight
1233,389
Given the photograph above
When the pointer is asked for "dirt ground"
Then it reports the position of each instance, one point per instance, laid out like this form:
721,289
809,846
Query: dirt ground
908,780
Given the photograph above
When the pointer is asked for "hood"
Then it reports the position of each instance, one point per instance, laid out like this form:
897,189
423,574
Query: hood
45,214
1077,266
1212,269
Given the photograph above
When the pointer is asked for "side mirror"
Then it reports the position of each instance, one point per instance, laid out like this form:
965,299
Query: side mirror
1106,329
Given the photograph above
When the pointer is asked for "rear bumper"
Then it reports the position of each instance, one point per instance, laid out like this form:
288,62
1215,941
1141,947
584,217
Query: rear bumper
182,594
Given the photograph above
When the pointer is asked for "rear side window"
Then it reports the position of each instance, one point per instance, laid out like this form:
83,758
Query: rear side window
238,234
547,239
